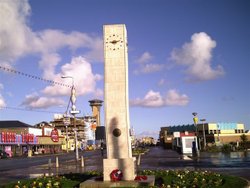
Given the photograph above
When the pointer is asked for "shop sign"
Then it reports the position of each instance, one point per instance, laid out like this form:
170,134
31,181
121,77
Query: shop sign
11,137
66,121
54,135
176,134
27,138
7,137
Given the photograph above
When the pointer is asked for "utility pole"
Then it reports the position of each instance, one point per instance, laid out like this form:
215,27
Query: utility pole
74,112
204,135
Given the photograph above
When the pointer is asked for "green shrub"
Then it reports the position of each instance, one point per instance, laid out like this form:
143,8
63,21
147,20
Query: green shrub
226,148
138,151
213,148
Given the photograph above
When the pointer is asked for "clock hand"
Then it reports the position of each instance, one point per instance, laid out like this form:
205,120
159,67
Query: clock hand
114,41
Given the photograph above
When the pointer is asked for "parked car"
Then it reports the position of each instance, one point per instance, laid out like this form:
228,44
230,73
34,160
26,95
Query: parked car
3,154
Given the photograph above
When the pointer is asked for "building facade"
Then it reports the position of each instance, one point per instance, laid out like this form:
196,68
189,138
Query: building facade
207,133
222,133
18,138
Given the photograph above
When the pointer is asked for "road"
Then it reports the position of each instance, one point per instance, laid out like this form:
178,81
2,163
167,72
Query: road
14,169
159,158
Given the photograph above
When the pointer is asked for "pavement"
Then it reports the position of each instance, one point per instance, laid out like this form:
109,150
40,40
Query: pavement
156,158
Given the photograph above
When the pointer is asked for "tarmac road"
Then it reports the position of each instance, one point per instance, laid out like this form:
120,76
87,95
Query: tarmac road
159,158
14,169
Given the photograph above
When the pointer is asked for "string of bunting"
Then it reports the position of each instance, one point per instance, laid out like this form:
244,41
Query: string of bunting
28,109
32,76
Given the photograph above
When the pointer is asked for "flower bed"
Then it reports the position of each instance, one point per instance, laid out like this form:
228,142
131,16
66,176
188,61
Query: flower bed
163,178
67,181
195,179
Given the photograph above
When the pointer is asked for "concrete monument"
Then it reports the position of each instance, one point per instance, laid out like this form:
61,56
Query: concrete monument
117,125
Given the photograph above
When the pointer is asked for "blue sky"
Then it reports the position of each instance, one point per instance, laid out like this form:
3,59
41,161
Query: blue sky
184,57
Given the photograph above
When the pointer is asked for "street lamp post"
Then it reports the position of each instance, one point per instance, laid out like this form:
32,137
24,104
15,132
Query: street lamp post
195,119
218,136
204,135
67,139
74,112
66,121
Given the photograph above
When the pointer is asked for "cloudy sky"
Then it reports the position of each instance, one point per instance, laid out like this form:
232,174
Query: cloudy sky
184,57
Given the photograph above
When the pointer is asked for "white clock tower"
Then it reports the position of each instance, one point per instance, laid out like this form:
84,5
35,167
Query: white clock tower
116,100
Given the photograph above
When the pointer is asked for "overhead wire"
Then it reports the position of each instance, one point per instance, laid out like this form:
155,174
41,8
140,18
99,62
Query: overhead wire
66,112
28,109
13,71
32,76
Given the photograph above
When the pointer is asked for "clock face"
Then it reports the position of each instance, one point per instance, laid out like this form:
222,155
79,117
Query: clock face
114,42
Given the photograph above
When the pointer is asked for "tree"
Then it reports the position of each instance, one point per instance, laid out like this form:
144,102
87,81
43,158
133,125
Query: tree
243,138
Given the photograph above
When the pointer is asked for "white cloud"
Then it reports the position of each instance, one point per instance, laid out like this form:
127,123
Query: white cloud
151,99
148,68
2,101
84,82
14,32
154,99
154,134
145,57
73,40
84,79
53,59
145,66
35,101
173,98
98,93
196,56
17,39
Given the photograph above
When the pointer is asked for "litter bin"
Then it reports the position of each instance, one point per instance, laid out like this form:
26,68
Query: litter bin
30,153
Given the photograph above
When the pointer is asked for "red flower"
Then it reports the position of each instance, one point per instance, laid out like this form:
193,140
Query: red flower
116,175
140,178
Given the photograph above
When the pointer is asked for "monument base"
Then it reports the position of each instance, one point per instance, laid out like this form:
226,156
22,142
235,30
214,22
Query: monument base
126,165
92,183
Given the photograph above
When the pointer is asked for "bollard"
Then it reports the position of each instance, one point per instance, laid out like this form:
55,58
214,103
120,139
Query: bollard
82,162
139,160
57,162
49,163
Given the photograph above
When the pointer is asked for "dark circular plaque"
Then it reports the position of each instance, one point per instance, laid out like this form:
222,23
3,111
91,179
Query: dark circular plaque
117,132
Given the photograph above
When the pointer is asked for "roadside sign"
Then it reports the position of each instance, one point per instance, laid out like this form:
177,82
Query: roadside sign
75,112
176,134
54,135
66,121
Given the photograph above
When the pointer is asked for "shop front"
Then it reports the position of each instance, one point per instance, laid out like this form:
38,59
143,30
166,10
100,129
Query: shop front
17,144
29,144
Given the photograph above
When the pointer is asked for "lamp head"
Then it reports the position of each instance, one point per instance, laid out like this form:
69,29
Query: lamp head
194,113
63,76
